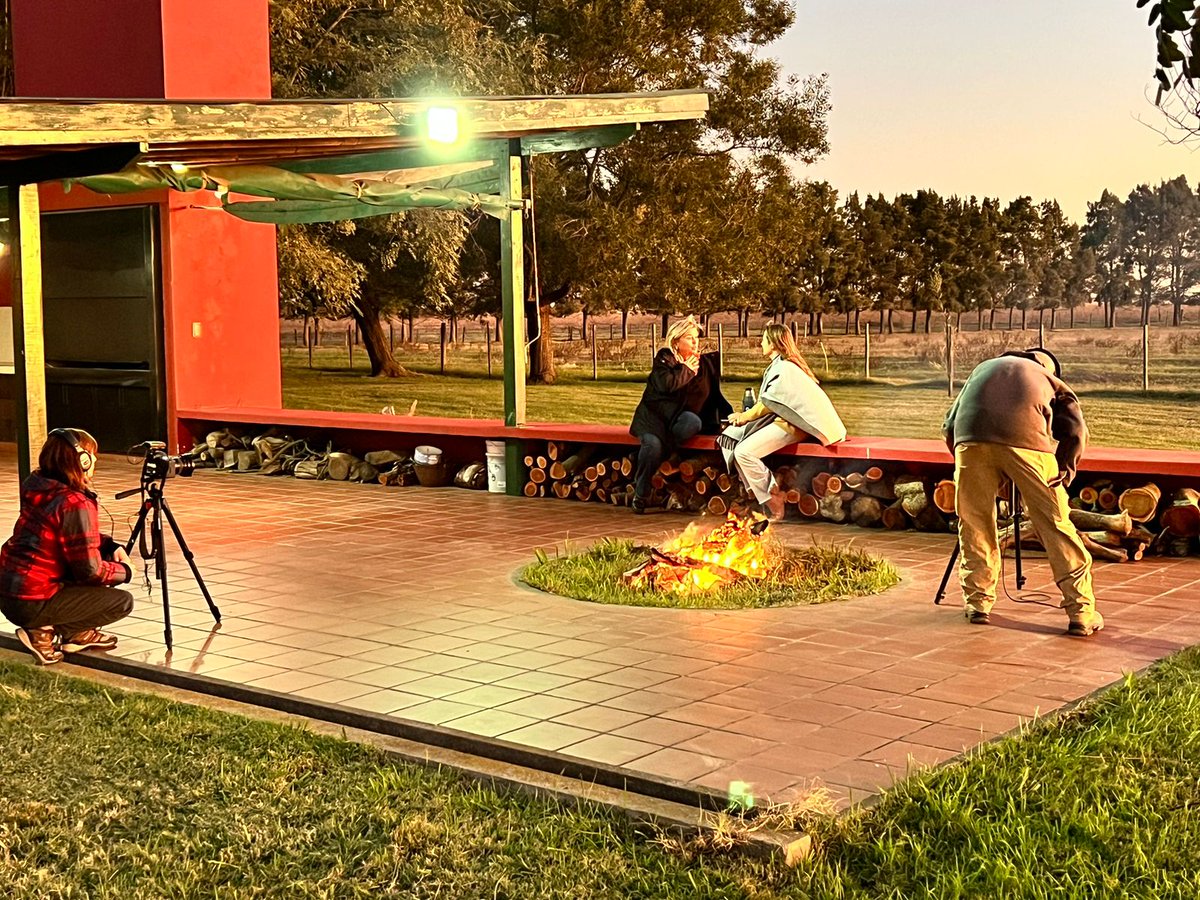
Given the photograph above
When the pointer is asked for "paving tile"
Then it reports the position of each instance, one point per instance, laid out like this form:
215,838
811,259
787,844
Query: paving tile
610,749
810,688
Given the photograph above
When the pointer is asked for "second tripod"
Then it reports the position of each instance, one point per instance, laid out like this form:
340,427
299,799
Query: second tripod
1016,518
155,508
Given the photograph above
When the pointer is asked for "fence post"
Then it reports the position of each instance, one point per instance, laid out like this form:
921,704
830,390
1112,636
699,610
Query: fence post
1146,357
350,343
949,359
595,368
442,364
721,349
867,351
487,339
1041,333
653,341
310,339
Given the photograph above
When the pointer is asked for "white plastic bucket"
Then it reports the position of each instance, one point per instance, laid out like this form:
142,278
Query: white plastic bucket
496,479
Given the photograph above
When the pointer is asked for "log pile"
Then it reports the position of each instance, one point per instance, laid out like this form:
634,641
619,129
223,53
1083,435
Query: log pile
1126,522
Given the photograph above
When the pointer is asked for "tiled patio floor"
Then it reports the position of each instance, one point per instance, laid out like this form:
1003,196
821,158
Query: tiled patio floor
402,601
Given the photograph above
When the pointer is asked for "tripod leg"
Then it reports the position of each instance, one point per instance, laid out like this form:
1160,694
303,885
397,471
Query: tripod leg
941,591
160,567
138,527
191,559
1017,532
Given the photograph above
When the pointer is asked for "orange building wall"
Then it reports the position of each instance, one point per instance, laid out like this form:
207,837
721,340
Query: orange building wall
220,286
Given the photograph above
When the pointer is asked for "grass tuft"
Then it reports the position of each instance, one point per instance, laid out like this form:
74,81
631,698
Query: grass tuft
816,574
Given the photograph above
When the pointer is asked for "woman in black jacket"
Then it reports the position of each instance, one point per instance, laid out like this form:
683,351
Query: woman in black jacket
682,399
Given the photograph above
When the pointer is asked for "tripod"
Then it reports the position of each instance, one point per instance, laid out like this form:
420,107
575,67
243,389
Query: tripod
1016,517
153,502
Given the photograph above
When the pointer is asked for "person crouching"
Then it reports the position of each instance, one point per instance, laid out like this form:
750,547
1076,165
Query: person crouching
55,585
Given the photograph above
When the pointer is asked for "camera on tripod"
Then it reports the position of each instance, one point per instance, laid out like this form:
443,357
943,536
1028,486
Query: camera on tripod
157,464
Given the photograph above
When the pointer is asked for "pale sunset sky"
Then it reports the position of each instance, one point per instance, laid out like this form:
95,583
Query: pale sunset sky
997,98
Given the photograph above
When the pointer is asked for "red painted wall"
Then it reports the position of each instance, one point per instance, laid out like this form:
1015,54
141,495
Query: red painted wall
220,286
216,50
85,48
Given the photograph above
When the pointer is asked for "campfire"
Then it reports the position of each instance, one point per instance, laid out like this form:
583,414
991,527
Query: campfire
705,559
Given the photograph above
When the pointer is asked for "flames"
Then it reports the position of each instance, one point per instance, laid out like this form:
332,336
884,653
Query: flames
703,559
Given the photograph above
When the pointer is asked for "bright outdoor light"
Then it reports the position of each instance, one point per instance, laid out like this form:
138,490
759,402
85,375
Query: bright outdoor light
441,124
178,168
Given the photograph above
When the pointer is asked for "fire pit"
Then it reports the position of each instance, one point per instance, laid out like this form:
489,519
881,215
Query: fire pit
705,559
736,564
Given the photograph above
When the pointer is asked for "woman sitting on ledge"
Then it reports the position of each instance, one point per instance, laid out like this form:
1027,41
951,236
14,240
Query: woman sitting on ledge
791,407
682,399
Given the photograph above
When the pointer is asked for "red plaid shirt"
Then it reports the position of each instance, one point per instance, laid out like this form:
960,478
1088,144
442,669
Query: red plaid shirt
56,541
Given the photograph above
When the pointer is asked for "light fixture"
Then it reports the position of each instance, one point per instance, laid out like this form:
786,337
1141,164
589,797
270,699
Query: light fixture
441,124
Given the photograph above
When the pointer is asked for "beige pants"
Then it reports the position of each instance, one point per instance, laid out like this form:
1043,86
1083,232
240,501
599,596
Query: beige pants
979,470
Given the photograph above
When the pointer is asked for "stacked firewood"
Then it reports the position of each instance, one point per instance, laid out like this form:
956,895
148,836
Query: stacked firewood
1126,522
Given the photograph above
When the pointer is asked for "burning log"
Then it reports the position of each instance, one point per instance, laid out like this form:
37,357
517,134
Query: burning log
704,560
1141,502
1182,517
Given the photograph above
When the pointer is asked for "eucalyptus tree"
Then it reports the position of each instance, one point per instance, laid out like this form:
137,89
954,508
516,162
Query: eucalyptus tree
370,268
1104,234
1181,251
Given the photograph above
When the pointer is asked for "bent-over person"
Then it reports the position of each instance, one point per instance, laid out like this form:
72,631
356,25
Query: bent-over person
1016,419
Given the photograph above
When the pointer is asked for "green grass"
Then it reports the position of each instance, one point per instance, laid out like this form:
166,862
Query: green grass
810,575
108,794
906,396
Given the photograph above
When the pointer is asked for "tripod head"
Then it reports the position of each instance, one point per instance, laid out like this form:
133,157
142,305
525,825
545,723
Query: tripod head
157,467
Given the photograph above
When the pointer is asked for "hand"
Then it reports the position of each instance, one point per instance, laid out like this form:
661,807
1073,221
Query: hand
735,419
119,555
1058,480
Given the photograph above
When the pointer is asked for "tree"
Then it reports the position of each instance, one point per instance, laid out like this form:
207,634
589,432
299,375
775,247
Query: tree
1181,251
1104,236
1176,32
381,48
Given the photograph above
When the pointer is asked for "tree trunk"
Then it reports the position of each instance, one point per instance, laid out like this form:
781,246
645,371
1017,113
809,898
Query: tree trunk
992,319
1177,315
1024,313
820,323
846,327
584,333
666,323
912,328
979,320
1010,318
928,319
1072,320
541,351
624,324
383,363
857,315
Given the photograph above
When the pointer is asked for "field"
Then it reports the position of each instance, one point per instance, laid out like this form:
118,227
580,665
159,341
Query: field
906,395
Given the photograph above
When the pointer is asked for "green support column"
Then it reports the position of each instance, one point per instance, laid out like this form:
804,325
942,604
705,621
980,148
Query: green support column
29,352
512,297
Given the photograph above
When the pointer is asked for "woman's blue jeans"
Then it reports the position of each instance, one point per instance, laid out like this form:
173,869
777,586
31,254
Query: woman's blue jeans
650,454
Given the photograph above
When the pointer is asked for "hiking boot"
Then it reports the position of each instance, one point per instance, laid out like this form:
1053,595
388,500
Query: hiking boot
1085,624
40,642
88,639
977,616
639,506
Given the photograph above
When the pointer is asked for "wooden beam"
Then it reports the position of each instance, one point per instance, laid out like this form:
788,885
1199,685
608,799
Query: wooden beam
57,165
583,139
512,298
25,123
29,351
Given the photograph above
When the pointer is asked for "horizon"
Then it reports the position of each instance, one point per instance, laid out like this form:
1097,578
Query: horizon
1024,98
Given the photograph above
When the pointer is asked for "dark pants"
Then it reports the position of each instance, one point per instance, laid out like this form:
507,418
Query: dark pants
650,455
75,608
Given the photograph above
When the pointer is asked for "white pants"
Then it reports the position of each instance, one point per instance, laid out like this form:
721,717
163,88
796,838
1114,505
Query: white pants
749,453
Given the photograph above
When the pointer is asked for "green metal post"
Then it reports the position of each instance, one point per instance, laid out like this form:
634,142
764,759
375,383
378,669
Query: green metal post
512,297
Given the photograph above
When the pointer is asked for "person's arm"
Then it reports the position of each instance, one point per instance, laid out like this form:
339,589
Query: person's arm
1068,428
757,411
948,424
79,537
668,374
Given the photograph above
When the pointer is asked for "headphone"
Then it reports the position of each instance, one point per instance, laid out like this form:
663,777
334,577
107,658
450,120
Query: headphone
86,458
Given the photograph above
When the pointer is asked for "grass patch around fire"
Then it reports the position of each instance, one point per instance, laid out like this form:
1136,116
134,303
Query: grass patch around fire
816,574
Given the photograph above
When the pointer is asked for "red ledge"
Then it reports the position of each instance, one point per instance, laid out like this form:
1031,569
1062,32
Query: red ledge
1113,460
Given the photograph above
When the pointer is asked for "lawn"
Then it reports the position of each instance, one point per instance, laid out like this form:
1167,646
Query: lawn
108,794
906,395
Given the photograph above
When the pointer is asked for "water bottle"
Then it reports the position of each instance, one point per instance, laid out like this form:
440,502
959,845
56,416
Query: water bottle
748,399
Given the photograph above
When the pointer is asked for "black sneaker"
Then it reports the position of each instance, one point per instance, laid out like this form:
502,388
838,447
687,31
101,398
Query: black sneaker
639,506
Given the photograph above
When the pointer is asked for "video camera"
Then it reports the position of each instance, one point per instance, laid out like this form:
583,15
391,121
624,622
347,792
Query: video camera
157,464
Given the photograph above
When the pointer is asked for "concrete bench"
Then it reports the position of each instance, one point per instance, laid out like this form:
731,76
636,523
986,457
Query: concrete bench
365,431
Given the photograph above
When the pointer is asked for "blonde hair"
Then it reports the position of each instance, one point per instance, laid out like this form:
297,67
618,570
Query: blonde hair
678,329
779,337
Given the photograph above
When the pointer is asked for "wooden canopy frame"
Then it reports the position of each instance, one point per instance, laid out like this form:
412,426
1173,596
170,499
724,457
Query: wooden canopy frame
348,140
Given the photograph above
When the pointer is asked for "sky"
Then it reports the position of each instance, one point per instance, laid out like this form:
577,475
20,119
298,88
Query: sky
995,98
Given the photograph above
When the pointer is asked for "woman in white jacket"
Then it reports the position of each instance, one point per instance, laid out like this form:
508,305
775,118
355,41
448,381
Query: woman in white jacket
791,407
